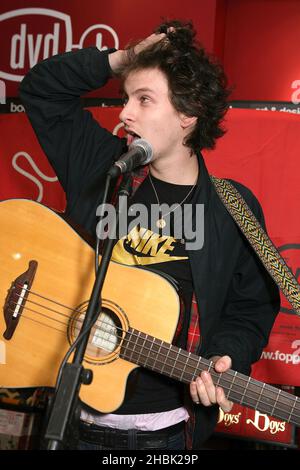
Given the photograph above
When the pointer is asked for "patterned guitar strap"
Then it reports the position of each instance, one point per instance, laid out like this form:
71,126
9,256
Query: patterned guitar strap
259,240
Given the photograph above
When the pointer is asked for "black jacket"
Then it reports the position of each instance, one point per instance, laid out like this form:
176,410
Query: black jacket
237,299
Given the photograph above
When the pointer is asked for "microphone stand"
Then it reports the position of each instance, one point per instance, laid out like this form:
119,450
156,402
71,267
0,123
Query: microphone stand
64,408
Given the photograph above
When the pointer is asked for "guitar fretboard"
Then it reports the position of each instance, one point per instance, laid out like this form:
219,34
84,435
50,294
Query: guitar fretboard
169,360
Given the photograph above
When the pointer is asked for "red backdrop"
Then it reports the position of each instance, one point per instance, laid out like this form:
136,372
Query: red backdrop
261,48
33,30
257,40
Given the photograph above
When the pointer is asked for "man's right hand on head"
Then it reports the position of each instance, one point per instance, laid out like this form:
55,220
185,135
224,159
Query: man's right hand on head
119,58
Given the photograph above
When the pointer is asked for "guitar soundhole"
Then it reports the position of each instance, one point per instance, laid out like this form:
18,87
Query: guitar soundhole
106,335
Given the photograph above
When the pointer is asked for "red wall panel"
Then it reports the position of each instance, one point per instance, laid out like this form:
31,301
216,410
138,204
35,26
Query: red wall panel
36,34
261,55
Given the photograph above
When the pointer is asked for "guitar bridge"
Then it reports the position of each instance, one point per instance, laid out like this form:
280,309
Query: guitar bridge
16,299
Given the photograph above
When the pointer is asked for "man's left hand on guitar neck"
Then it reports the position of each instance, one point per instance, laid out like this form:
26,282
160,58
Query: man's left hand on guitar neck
203,389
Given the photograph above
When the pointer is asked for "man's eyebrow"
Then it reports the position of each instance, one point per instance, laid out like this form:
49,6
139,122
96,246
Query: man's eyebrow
140,90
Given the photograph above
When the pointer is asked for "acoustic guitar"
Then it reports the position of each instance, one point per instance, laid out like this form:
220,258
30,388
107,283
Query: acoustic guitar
46,278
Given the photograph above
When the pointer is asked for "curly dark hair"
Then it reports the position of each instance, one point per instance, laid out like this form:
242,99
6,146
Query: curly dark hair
197,83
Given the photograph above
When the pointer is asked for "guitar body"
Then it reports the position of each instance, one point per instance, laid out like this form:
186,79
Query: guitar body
50,315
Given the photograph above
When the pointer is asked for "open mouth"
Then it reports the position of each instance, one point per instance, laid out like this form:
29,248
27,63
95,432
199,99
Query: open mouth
131,136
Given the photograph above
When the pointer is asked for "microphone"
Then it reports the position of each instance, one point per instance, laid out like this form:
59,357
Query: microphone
139,153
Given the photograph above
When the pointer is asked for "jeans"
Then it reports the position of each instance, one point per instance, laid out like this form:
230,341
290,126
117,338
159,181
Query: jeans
175,442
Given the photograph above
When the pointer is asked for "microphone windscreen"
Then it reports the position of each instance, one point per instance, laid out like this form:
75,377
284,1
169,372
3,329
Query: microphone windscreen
142,143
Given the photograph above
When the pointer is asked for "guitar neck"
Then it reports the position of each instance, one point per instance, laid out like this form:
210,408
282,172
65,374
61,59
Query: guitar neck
169,360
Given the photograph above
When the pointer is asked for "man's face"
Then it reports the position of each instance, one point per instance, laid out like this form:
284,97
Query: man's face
149,114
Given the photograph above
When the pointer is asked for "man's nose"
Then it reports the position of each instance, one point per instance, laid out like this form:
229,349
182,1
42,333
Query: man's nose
127,113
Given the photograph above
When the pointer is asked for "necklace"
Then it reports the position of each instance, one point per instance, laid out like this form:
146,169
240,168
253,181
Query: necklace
161,223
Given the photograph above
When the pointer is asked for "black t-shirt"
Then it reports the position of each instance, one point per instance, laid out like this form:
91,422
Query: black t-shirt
148,246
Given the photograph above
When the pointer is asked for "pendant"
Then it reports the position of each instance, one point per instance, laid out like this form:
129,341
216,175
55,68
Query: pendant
161,223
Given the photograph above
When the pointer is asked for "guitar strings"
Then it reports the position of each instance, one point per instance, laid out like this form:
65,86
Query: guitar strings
213,373
81,312
239,396
48,299
102,322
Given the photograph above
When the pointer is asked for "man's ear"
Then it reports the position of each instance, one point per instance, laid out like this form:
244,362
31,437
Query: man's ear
187,121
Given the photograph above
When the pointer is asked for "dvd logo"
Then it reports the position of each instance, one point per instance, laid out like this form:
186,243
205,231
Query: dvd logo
21,40
38,33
